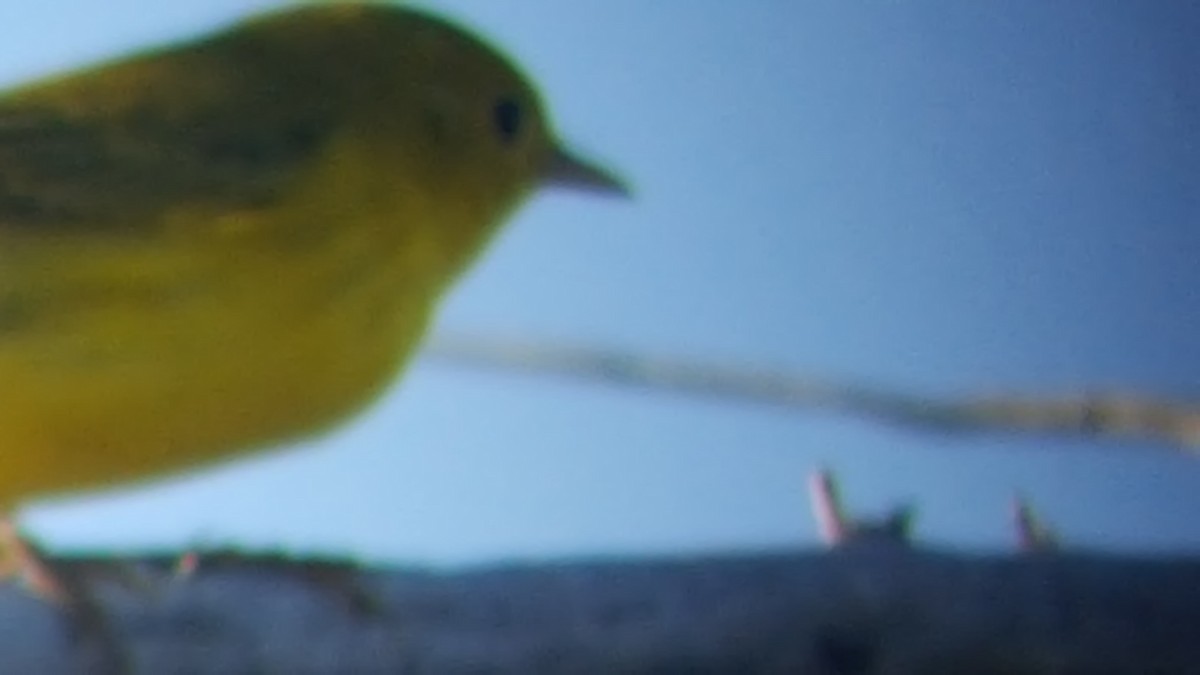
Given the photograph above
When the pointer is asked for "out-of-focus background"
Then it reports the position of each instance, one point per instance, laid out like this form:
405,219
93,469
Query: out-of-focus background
939,197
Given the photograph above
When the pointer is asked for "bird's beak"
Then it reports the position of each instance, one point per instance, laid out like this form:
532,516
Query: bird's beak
565,170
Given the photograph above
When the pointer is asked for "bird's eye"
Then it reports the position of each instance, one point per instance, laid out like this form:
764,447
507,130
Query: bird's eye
507,117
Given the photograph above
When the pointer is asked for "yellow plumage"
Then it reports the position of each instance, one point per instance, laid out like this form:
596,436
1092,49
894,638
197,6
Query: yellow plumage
219,246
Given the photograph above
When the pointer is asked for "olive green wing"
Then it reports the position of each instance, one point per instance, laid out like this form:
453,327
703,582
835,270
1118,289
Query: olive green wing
66,170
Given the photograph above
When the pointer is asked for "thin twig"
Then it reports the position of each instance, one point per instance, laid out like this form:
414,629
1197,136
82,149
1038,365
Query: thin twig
1114,414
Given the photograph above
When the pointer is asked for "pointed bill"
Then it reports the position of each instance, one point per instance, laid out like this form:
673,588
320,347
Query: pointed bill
566,170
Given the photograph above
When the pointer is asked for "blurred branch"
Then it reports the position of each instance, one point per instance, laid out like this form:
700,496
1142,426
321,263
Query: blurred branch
855,609
1115,415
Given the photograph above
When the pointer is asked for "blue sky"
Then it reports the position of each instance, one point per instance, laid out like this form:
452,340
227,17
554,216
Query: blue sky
941,197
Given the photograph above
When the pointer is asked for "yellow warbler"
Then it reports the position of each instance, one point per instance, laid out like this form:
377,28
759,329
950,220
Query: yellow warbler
218,246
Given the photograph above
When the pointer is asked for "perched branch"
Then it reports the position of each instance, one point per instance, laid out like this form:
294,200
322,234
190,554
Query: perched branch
1116,415
855,609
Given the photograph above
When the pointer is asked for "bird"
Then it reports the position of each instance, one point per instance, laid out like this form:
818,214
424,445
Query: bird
217,247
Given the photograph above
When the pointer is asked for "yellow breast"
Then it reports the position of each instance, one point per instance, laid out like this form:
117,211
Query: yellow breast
126,359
